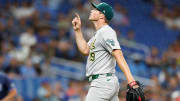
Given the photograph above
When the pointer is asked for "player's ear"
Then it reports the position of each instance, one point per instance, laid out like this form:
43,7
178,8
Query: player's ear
101,16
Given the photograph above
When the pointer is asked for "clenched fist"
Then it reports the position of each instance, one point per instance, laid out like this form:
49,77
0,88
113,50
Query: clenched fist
76,22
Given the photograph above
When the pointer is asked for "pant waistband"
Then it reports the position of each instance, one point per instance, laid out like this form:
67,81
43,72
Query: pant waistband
93,77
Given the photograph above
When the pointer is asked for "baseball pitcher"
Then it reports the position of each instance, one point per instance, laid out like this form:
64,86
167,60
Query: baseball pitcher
103,51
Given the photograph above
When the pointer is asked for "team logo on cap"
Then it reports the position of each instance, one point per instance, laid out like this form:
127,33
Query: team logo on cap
104,11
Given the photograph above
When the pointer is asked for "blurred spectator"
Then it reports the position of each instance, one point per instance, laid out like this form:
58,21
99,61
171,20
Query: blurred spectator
2,30
35,99
73,91
120,16
11,30
43,6
1,40
38,69
175,96
171,17
122,91
45,92
59,92
174,88
13,69
129,40
165,60
43,38
122,96
137,66
7,47
63,34
173,84
1,62
173,51
178,46
20,54
54,4
46,20
173,69
153,60
64,48
25,10
131,35
21,25
75,2
160,11
63,22
43,35
173,21
28,70
156,89
84,89
34,20
28,39
47,70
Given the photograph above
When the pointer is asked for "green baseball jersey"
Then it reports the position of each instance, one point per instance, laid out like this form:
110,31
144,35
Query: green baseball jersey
100,59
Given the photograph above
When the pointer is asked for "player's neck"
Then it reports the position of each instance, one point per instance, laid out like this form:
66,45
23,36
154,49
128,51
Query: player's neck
99,24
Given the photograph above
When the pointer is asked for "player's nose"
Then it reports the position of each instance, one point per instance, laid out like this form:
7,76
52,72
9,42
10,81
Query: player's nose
91,11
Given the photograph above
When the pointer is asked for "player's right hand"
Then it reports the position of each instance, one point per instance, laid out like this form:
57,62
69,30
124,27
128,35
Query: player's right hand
76,22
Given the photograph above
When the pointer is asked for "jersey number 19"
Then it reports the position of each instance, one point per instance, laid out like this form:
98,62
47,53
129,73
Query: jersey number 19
92,54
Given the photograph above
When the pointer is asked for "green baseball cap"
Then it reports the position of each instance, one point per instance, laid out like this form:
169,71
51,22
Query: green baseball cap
105,8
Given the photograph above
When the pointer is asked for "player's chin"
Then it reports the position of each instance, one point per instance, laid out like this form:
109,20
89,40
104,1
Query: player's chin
91,19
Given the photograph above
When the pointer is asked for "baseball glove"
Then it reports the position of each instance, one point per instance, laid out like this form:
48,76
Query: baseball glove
135,92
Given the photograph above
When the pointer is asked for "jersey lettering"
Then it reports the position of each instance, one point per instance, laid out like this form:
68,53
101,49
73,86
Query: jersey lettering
92,54
92,45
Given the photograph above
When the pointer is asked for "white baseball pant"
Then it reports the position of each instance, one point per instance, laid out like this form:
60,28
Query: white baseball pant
104,88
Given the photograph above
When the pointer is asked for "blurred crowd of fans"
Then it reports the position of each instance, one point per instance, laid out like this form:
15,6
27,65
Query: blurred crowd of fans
167,15
31,33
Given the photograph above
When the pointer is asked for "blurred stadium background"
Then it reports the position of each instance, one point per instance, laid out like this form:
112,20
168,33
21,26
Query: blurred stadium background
38,50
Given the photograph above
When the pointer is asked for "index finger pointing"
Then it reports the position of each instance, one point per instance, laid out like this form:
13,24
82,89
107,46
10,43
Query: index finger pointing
77,15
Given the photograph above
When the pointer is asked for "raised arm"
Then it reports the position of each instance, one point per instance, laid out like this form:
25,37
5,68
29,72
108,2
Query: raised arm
123,65
81,42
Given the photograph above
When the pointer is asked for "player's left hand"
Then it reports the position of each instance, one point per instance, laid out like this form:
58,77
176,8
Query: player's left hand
135,92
